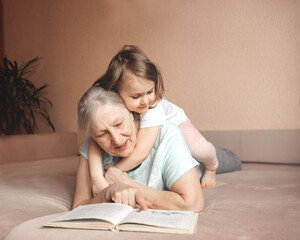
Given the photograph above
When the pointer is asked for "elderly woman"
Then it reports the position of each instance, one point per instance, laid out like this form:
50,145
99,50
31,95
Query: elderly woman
166,179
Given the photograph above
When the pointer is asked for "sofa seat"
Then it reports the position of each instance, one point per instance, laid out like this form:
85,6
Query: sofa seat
260,202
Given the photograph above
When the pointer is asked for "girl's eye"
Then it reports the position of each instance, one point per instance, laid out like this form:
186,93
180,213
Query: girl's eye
151,91
135,97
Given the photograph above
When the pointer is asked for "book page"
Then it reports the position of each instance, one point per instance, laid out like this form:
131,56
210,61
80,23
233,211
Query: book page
163,218
110,212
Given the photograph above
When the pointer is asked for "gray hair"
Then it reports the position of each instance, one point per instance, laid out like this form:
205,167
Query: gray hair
91,100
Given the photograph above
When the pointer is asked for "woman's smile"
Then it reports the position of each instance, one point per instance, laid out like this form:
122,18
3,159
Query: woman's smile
122,147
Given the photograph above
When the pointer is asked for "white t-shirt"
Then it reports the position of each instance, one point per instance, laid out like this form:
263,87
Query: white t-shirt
164,111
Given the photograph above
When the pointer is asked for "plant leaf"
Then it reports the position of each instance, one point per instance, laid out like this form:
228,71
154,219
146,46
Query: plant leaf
20,100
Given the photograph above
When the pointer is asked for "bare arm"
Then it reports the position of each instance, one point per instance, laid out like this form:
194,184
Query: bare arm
146,139
185,193
119,192
95,166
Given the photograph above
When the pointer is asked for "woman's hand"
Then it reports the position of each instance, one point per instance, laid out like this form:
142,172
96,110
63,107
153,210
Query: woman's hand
115,175
125,194
121,191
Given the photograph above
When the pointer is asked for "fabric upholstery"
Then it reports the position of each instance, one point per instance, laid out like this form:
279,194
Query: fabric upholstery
37,188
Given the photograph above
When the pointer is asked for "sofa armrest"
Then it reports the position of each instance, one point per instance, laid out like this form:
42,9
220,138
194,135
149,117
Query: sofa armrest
21,148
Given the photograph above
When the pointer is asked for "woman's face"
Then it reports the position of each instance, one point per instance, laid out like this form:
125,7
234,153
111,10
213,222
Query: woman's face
114,130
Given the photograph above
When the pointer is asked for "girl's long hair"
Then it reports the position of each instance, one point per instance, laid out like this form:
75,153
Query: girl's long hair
131,60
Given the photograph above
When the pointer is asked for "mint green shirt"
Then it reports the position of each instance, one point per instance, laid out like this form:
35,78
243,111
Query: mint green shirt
168,160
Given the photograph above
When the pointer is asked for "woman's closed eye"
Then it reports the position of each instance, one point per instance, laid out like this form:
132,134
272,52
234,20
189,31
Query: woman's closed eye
100,134
118,125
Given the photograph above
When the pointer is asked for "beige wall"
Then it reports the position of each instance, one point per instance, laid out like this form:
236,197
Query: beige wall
232,65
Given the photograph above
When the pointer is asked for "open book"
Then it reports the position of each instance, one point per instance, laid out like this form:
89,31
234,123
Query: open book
118,217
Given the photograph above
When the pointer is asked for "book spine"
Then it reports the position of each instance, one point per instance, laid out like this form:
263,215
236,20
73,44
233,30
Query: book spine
114,229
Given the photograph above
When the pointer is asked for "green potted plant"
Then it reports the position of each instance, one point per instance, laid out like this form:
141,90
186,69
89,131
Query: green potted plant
20,100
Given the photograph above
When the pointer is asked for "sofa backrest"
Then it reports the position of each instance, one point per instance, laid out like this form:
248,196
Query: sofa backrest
21,148
266,146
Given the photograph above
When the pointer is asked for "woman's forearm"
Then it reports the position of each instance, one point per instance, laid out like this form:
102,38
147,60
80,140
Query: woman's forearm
162,199
185,193
170,200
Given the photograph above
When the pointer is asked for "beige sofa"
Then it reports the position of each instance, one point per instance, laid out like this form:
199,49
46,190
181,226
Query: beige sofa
37,181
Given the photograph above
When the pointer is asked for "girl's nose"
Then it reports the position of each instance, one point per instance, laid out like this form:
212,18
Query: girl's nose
144,101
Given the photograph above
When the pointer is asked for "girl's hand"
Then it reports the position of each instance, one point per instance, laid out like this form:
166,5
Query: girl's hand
115,175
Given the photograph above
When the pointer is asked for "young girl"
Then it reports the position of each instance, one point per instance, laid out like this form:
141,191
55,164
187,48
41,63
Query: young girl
140,84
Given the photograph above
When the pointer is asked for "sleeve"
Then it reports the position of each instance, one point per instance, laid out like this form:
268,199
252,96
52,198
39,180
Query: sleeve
84,148
178,158
106,159
153,117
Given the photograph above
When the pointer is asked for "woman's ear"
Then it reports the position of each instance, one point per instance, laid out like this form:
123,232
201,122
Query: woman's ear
132,117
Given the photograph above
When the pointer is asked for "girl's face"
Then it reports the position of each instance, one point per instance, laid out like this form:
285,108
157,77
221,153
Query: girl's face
137,93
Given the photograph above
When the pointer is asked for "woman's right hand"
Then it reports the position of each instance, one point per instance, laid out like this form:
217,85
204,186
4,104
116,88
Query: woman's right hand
125,194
